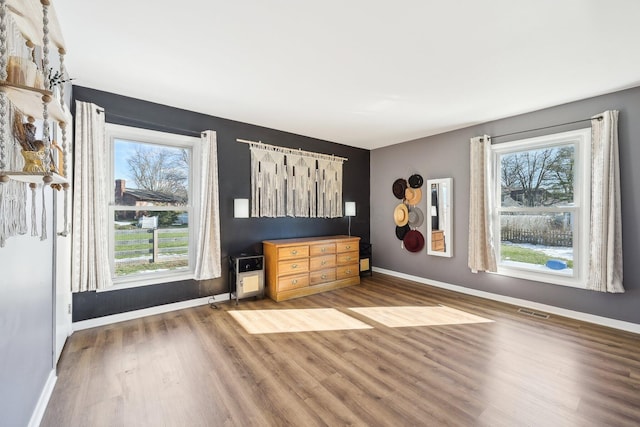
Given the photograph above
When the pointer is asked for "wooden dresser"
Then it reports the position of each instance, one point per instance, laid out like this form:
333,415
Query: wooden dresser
305,266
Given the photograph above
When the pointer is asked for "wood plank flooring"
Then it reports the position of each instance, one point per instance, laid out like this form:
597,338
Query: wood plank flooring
198,367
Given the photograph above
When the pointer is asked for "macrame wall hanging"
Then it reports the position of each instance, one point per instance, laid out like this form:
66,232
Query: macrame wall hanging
13,194
296,183
268,183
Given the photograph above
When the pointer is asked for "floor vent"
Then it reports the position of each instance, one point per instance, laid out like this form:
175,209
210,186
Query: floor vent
533,313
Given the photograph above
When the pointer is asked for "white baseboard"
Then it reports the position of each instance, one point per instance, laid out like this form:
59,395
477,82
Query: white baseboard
136,314
43,401
586,317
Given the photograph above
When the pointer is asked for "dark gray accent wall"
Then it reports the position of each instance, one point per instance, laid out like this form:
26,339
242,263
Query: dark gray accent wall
447,155
26,320
237,235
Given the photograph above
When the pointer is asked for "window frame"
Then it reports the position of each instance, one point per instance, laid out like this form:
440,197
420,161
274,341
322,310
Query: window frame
134,134
581,139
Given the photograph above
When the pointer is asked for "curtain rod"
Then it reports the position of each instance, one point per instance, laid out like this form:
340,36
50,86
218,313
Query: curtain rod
599,118
292,150
190,132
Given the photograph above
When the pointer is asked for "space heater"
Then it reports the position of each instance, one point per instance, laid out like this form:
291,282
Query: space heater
247,276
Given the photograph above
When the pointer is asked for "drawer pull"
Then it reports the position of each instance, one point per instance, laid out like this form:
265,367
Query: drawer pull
294,252
323,250
348,258
349,271
294,265
348,246
294,282
323,277
323,262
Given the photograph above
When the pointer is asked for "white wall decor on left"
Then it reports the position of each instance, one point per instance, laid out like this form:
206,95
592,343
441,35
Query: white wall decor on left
35,137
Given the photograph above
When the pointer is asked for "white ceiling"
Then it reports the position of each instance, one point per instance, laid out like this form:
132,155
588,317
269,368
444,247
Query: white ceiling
365,73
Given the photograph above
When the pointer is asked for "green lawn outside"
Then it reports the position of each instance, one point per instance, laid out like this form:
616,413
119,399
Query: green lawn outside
181,245
529,256
125,269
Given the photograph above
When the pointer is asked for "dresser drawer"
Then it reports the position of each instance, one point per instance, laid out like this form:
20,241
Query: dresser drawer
322,276
345,271
327,248
348,257
293,266
321,262
290,252
347,246
293,282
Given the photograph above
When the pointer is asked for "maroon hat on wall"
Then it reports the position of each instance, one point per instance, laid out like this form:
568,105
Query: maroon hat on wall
413,241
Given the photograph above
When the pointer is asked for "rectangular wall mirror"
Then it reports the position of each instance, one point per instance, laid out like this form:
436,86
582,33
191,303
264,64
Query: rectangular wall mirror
439,217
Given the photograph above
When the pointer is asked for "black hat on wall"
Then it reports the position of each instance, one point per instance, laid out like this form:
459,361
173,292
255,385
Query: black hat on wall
399,186
415,181
401,231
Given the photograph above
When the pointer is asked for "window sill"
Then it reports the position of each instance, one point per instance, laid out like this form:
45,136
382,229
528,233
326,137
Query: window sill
540,274
120,284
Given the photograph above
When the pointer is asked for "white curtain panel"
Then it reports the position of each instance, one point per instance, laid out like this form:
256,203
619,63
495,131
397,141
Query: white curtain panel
482,256
605,240
91,264
268,183
208,262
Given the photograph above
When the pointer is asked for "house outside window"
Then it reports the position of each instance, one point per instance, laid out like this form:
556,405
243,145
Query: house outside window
540,207
152,211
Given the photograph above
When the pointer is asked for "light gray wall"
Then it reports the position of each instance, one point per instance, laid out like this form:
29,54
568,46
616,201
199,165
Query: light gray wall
26,320
447,155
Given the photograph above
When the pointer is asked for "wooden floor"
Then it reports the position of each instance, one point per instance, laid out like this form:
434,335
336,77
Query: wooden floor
198,367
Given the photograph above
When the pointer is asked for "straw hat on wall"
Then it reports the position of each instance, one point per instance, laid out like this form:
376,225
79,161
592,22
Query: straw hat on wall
413,195
401,215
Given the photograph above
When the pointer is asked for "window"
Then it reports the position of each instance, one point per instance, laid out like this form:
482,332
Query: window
152,209
540,207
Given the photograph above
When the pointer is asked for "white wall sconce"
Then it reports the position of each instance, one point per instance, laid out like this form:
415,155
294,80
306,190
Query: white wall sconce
349,211
349,208
241,208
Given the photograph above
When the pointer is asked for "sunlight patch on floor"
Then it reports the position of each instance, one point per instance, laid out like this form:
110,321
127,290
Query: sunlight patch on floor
405,316
295,320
